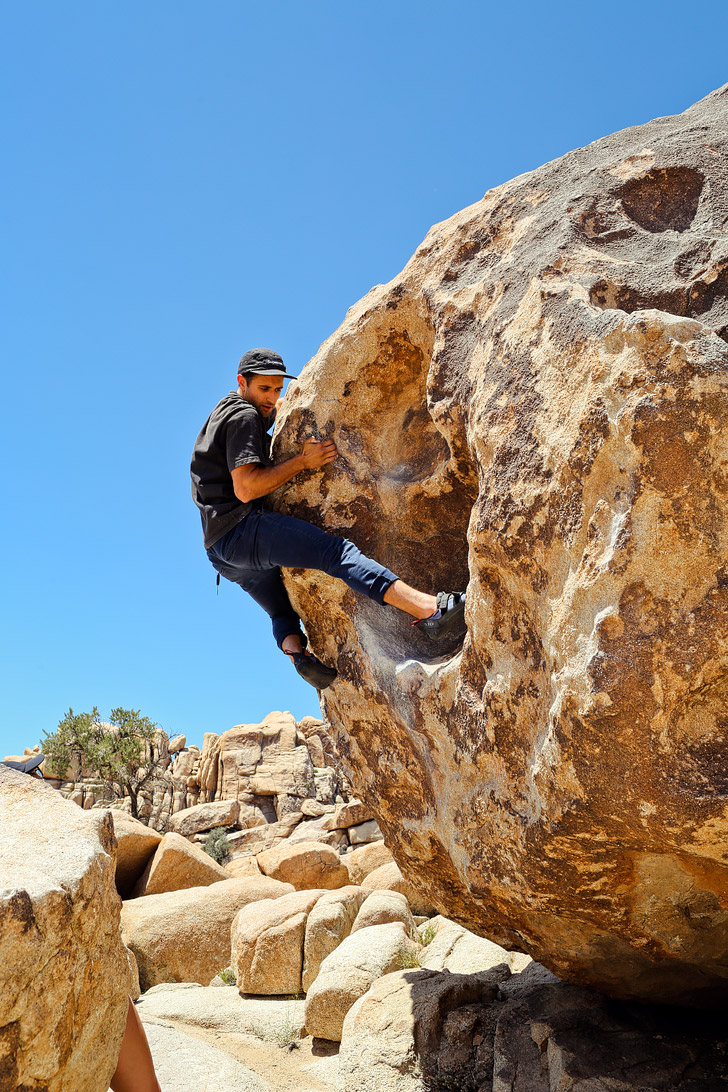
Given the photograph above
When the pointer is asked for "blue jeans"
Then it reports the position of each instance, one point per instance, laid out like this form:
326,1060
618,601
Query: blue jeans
253,551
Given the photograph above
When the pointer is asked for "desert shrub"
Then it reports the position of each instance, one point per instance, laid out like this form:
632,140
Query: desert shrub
217,844
407,959
428,934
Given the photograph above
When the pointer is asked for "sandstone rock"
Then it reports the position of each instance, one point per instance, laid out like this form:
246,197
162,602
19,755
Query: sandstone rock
265,759
328,924
136,845
65,973
264,836
177,743
455,949
326,785
364,833
417,1028
209,766
305,865
183,1063
178,864
313,830
203,817
184,936
313,809
402,1029
349,815
286,804
535,408
320,743
365,859
221,1008
267,943
389,878
348,972
382,907
243,866
550,1034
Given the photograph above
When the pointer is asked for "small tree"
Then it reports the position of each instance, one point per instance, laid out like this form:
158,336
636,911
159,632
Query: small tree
121,751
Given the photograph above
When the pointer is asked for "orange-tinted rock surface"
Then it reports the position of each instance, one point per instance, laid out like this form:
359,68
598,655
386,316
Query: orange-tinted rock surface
537,407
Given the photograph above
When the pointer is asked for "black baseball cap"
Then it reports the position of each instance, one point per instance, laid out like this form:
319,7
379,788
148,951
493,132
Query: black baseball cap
263,362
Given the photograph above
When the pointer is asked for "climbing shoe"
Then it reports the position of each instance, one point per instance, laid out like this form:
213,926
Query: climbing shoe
313,671
448,615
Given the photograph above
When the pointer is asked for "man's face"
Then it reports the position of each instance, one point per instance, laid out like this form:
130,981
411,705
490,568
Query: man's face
262,391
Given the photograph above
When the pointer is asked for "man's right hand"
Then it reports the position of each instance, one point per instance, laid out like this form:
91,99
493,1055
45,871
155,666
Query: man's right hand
318,453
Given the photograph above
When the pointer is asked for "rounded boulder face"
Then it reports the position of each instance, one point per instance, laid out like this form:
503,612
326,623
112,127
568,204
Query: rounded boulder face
537,409
65,975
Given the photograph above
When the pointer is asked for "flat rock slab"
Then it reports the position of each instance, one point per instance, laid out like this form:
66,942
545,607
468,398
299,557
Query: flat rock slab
221,1008
202,817
185,1064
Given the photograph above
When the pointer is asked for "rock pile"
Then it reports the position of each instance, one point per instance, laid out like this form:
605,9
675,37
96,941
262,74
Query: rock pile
537,408
249,776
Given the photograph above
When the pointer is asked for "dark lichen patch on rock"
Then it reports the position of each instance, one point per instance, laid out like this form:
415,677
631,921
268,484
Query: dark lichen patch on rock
664,199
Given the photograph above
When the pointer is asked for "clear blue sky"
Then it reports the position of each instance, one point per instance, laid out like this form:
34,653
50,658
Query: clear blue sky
186,180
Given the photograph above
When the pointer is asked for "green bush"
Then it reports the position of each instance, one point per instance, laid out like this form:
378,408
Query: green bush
217,845
428,934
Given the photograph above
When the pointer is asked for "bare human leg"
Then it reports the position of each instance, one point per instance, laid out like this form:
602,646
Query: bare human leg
135,1071
418,604
292,644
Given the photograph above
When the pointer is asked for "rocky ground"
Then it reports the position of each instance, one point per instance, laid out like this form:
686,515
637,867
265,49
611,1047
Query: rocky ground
303,961
534,408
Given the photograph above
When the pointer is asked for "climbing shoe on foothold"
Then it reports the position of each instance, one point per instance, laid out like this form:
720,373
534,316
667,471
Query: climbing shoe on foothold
448,615
312,670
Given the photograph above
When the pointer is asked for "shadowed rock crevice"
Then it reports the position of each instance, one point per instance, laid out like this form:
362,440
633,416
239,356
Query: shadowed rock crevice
701,299
664,199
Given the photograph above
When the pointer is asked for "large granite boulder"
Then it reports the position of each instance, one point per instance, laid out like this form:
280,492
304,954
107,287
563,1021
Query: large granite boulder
349,970
184,936
203,817
537,408
64,974
267,943
178,864
328,923
305,865
136,843
265,759
402,1034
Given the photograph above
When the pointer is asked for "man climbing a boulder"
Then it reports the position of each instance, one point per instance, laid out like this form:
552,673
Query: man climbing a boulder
247,543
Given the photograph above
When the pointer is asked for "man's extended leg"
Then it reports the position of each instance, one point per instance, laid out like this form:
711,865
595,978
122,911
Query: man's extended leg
418,604
253,552
266,587
284,540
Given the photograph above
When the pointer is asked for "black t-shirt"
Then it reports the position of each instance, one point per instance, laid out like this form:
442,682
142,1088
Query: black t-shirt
234,434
